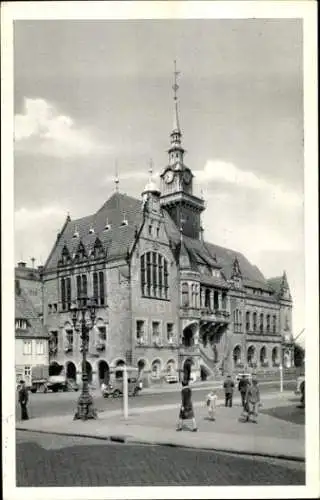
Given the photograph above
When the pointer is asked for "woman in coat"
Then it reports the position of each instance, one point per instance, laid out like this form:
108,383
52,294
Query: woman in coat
186,409
252,401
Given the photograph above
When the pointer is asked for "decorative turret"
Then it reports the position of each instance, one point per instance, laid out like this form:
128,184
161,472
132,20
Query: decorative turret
151,193
236,275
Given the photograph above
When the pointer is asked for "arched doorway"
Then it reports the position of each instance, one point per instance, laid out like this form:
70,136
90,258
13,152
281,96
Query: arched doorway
187,369
263,355
250,355
71,371
55,369
171,367
104,372
237,355
141,365
156,369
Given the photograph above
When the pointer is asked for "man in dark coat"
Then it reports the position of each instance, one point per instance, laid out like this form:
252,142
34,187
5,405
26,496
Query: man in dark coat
243,384
23,400
228,386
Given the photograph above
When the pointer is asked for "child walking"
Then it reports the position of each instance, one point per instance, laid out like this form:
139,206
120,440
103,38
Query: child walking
211,402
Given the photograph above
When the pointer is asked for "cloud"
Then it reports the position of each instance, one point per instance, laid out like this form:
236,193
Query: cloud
226,172
42,130
40,226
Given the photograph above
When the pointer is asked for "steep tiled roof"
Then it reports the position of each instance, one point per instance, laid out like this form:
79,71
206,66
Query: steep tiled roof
25,310
116,240
27,273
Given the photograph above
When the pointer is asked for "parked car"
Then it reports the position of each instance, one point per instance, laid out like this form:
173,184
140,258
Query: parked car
239,376
171,379
115,388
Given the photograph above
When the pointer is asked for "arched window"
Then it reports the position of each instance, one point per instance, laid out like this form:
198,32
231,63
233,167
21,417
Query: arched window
63,294
98,288
263,355
237,355
237,320
154,275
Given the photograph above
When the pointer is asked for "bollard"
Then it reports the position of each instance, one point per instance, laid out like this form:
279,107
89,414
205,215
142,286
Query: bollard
125,393
281,377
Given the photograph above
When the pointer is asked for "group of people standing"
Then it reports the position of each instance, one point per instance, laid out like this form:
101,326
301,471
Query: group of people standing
250,400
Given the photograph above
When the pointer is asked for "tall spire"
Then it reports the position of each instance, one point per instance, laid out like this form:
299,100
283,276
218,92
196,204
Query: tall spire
176,151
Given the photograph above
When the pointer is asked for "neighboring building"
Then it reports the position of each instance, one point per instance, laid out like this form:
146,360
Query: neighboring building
31,338
167,300
28,279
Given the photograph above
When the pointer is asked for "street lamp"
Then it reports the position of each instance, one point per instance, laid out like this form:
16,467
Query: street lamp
80,311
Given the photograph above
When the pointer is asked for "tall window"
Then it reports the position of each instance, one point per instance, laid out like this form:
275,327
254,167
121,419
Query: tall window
101,288
63,294
82,285
185,294
170,332
261,323
155,330
27,347
248,321
254,321
268,323
140,331
274,323
237,320
69,340
39,347
98,288
154,275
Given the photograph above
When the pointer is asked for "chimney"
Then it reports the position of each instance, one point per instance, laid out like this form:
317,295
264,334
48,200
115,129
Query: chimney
22,264
33,261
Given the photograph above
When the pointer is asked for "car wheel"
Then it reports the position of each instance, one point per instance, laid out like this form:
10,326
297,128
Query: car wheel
116,393
54,389
42,388
33,390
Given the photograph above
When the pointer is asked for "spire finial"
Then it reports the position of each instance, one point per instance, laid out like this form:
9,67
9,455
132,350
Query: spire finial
116,179
150,170
175,86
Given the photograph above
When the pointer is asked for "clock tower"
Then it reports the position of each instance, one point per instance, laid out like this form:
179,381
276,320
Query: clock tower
177,181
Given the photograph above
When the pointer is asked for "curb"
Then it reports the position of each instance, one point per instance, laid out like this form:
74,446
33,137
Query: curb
127,439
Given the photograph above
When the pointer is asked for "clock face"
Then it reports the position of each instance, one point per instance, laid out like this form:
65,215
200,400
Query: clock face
187,177
168,177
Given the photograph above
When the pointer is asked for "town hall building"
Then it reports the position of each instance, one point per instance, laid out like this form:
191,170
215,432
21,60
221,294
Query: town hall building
167,300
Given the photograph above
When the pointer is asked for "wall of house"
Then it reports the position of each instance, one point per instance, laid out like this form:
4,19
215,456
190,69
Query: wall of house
23,360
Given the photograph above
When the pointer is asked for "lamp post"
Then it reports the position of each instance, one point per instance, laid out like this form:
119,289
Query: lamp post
85,307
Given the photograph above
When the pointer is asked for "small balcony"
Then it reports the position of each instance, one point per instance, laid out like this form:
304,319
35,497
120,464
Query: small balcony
216,315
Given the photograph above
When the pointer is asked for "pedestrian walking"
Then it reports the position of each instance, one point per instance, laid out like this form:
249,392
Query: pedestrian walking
211,402
242,387
186,409
228,386
302,399
252,401
23,400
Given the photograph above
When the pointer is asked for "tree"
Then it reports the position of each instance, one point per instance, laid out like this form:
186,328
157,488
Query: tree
298,354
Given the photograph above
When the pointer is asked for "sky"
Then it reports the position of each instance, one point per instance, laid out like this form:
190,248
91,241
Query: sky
90,95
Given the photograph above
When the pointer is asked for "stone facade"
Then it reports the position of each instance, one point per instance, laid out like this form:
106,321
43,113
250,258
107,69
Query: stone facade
168,302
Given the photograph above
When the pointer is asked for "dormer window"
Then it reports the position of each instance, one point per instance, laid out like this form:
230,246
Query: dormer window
125,221
76,233
91,230
107,227
21,323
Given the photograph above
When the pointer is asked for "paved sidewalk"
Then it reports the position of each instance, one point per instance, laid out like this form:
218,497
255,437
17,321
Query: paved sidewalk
156,425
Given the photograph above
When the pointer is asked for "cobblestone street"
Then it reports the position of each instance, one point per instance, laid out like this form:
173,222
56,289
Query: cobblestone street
48,460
